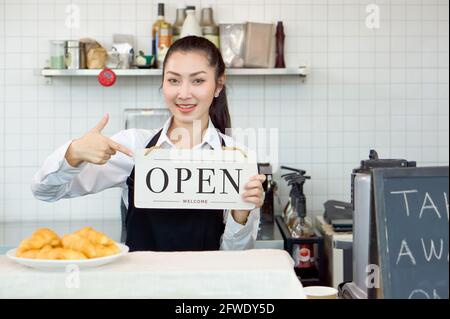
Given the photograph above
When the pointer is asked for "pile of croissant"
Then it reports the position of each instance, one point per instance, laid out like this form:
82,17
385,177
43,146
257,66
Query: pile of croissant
85,243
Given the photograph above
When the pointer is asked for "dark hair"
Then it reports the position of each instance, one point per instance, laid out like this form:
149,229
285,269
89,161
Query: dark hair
218,111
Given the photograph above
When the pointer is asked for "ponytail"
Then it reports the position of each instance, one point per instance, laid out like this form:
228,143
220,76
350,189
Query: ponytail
218,112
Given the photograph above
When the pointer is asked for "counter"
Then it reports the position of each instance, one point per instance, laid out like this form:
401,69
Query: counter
256,273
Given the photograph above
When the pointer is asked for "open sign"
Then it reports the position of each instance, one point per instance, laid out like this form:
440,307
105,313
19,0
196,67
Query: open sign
200,179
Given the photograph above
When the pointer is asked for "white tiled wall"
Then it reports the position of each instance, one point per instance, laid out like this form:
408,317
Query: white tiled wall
384,88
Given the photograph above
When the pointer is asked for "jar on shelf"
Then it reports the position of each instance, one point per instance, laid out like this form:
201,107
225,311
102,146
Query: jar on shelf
57,54
73,54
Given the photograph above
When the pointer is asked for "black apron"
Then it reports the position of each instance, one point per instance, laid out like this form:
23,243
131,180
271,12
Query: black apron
171,229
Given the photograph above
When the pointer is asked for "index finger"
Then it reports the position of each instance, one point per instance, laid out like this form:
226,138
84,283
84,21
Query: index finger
120,148
260,177
253,184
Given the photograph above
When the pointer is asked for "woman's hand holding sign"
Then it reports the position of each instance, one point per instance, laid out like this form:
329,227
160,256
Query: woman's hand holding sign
254,193
93,147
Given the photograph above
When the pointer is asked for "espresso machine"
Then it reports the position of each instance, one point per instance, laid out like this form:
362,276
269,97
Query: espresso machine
364,232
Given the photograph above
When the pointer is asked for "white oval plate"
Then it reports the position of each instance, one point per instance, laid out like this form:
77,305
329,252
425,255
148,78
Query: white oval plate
55,265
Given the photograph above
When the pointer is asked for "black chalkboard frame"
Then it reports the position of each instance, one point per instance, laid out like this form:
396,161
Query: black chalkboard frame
378,177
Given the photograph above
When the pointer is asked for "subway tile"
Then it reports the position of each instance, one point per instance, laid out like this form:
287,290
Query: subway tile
336,92
30,141
351,124
430,139
398,123
29,126
367,139
382,140
335,155
382,123
443,123
443,91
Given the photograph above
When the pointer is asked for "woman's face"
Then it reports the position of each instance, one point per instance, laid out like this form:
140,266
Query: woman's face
189,86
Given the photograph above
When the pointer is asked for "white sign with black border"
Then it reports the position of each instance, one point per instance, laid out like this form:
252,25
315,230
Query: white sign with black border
193,179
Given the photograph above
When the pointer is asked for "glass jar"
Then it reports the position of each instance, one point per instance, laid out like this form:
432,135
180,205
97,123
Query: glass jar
57,54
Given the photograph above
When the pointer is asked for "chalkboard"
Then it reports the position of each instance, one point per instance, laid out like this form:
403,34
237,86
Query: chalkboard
412,226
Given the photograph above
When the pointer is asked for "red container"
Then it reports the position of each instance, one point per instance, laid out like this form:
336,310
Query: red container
107,77
304,255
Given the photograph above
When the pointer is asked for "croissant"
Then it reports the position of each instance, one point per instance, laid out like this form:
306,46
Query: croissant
71,254
95,237
102,251
60,254
43,253
31,254
40,238
85,243
80,244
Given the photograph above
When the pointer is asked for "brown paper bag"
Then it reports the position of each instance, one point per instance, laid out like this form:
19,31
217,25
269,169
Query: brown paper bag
259,45
96,55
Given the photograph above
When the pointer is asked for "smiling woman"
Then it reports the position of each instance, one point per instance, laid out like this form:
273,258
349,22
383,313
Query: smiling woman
193,86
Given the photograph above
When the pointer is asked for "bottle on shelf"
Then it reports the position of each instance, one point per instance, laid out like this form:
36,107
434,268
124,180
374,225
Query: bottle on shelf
190,25
280,36
161,37
210,30
178,24
155,28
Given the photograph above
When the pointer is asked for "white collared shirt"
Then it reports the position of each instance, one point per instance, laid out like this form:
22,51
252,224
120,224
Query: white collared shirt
57,179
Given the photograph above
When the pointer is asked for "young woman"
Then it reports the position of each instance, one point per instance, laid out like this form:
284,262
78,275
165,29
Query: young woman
193,86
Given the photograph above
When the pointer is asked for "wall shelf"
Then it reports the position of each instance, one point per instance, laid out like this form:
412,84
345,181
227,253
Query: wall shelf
301,71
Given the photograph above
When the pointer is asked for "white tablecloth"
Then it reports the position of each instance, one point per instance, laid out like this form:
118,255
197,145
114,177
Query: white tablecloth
259,273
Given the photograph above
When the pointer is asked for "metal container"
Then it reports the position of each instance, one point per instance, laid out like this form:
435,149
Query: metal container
73,54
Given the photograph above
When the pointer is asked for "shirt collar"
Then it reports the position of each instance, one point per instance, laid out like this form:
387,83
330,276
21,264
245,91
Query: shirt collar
211,136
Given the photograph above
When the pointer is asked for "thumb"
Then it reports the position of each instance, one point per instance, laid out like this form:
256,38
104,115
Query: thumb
101,125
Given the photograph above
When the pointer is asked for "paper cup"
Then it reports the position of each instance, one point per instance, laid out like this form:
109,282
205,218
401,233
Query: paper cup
320,292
